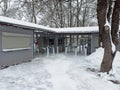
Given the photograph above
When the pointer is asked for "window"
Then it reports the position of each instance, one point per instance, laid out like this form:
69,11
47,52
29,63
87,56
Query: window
14,41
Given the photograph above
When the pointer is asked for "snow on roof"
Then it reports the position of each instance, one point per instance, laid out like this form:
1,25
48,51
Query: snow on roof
23,23
45,28
78,30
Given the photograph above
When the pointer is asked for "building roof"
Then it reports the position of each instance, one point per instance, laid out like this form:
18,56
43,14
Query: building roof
24,24
93,29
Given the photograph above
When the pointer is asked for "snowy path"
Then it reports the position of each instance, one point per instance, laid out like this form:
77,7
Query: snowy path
60,79
59,72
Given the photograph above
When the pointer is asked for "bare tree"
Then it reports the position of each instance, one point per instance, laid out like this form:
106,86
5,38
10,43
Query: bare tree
55,13
70,13
5,7
108,36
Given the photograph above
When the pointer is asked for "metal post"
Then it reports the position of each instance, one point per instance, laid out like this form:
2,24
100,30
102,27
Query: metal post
53,49
47,51
66,49
81,49
84,50
57,49
75,51
78,49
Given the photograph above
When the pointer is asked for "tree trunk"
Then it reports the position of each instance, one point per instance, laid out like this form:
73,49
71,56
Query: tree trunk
108,37
101,14
109,11
70,13
5,7
106,64
115,23
33,12
79,7
61,13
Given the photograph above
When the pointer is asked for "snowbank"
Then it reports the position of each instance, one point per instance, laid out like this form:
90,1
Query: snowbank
116,62
96,57
95,60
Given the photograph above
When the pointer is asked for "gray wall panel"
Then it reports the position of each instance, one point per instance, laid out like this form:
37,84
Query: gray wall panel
18,56
0,41
15,57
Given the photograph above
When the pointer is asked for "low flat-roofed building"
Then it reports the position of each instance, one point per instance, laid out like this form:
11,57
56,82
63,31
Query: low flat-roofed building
18,39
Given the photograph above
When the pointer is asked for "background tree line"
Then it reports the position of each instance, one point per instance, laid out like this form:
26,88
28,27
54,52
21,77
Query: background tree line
53,13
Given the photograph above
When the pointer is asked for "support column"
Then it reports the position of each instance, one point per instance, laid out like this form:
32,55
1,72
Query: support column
77,40
32,42
70,39
93,43
56,42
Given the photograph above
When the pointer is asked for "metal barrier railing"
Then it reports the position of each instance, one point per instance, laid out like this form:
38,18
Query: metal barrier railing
76,50
82,49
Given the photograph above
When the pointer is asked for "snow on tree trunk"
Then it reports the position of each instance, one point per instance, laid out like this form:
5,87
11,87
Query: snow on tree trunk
106,64
108,36
115,23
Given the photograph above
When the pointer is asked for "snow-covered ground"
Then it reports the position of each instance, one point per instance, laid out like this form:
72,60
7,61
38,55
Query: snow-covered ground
61,72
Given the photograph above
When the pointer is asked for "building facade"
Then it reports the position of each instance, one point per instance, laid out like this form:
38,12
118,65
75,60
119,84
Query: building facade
16,44
21,41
